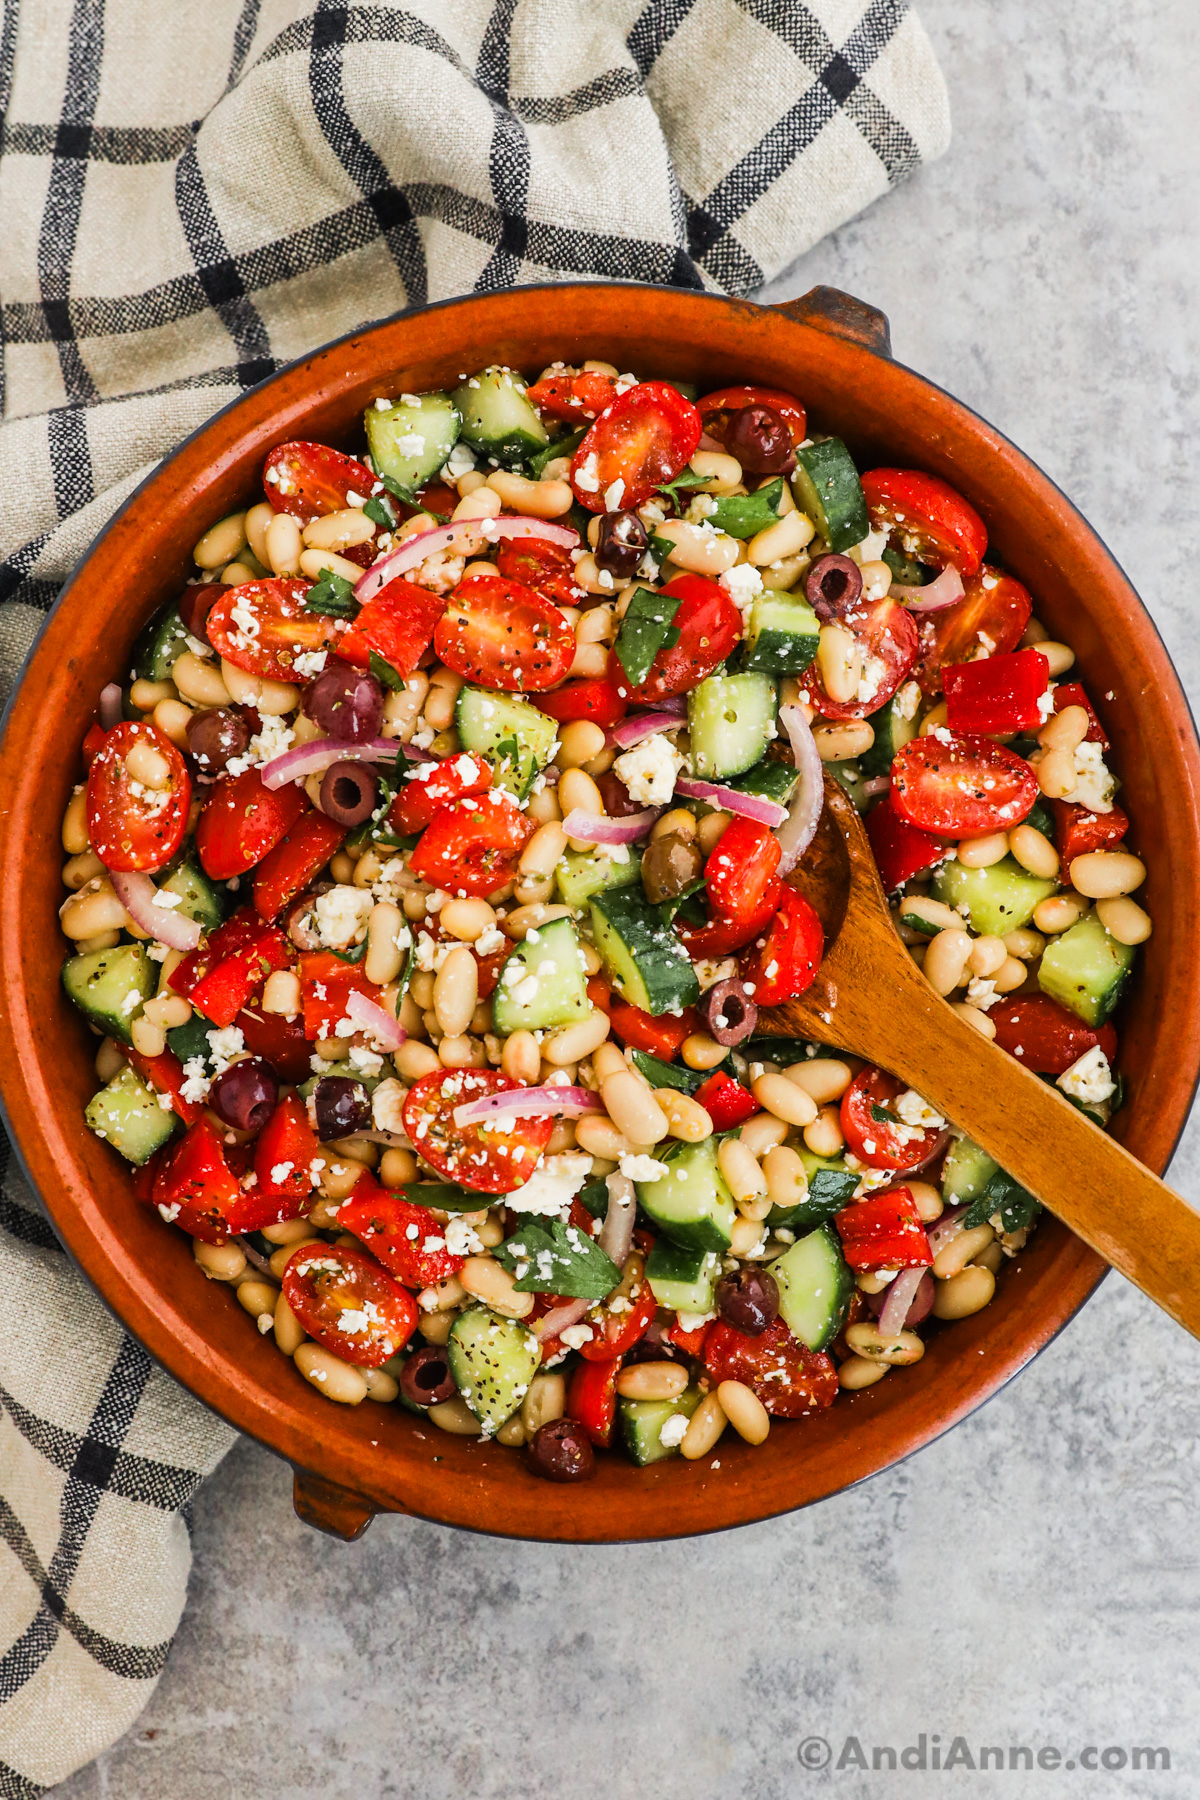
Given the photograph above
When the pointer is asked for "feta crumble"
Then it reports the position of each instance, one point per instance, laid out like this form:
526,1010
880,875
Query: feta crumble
553,1184
650,770
342,915
1089,1079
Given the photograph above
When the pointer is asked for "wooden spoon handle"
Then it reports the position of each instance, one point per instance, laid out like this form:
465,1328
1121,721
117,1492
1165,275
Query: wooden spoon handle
1035,1134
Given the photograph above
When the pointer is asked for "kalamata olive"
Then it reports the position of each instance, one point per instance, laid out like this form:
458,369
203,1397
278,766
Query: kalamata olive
425,1378
244,1094
620,543
562,1451
618,802
670,864
300,921
215,738
748,1299
342,1107
761,439
195,604
346,702
728,1012
920,1306
650,1349
833,585
348,793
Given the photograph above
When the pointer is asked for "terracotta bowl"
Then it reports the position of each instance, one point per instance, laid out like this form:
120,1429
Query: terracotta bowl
350,1464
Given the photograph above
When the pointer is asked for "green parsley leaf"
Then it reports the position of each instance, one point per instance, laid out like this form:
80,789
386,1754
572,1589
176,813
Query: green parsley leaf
833,1188
446,1196
410,498
645,630
881,1115
673,1075
660,548
380,513
566,445
1015,1204
548,1257
333,596
383,671
594,1195
742,515
683,483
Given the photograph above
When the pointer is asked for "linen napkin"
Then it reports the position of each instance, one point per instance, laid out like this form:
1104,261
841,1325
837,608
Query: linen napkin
186,206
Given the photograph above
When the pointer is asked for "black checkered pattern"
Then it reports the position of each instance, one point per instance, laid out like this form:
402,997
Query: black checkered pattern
183,214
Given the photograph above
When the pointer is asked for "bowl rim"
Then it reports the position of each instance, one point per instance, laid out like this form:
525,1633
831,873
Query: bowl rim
1089,1268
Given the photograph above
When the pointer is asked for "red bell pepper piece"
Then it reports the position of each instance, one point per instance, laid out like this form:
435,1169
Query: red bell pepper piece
397,1231
279,1041
301,854
782,964
431,786
398,624
996,693
593,698
327,983
195,1187
220,977
740,873
640,1030
900,850
165,1075
145,1176
575,398
592,1399
93,739
690,1342
1077,831
1070,693
725,1100
283,1157
884,1233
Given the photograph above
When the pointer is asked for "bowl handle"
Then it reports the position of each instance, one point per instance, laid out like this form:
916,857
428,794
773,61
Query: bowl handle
331,1508
841,315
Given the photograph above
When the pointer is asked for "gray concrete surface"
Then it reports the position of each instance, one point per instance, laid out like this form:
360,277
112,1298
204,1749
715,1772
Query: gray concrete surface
1032,1579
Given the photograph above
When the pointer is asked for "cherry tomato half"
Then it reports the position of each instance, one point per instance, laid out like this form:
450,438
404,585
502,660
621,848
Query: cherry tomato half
502,635
130,825
643,440
472,845
285,626
887,642
966,787
385,1222
348,1303
486,1161
718,408
616,1330
1045,1036
709,626
932,522
397,624
242,820
783,964
789,1378
546,568
591,697
308,480
430,786
740,873
876,1139
993,606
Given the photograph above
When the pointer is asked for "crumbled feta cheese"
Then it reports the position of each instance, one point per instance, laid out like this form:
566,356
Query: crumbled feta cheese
743,583
225,1045
490,940
195,1084
365,1061
643,1168
462,1238
915,1110
587,475
982,993
460,461
907,700
1089,1079
710,970
166,900
309,663
1094,785
342,914
873,675
553,1184
650,769
1045,704
871,548
673,1432
576,1336
614,493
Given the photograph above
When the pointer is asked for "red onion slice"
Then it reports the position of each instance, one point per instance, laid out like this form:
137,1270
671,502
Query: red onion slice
376,1019
560,1318
529,1103
751,806
616,1233
642,725
900,1296
109,708
878,784
164,923
321,753
946,1228
799,828
462,538
598,828
944,591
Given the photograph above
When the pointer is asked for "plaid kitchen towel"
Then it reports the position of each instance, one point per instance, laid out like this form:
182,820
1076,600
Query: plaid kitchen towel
191,196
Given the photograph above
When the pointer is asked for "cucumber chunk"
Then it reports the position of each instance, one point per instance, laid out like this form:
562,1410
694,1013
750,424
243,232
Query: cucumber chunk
731,719
691,1202
683,1279
515,737
542,984
849,776
642,1424
1086,970
815,1285
828,489
773,780
101,983
744,515
497,419
893,729
199,898
831,1186
410,440
493,1360
997,899
644,959
966,1171
126,1114
163,639
781,635
582,873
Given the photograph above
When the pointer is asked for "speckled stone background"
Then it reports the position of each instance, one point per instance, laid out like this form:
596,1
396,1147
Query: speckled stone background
1034,1578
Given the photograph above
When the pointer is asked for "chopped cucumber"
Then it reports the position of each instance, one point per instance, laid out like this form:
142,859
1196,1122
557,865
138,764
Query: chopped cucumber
731,719
642,1424
744,515
516,738
827,488
164,638
683,1279
1086,970
966,1171
644,958
998,899
411,439
199,898
672,1075
691,1202
781,635
815,1285
849,776
905,570
893,729
493,1360
582,873
773,780
831,1186
497,419
126,1114
110,986
542,984
919,913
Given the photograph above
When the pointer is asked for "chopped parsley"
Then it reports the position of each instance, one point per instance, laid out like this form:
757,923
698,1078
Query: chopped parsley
742,515
380,512
682,483
645,630
383,671
333,596
552,1258
410,497
1015,1204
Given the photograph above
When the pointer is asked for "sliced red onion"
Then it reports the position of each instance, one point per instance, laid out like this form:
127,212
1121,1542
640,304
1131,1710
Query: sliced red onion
878,784
261,1262
529,1103
944,591
751,806
799,828
460,538
616,1233
321,753
376,1019
555,1322
946,1228
109,708
598,828
674,703
164,923
642,725
900,1296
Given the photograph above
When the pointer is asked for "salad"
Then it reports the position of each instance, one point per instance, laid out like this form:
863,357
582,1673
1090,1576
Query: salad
431,871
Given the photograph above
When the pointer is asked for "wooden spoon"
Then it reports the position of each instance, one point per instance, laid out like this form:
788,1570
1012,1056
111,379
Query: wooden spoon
871,1000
